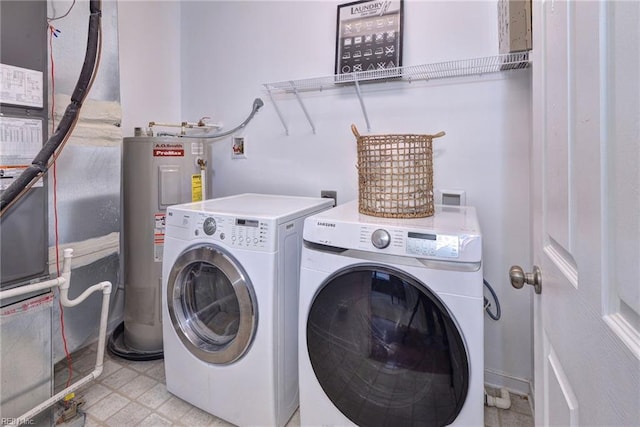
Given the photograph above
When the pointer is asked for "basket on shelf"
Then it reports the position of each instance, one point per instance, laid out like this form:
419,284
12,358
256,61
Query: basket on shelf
395,175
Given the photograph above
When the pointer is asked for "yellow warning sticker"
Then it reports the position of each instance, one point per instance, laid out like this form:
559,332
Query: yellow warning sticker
196,188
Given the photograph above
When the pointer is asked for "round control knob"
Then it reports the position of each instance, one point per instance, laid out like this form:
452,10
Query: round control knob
380,238
209,226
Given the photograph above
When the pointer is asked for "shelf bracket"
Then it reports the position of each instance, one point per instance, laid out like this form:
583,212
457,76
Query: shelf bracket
364,110
423,72
306,113
275,105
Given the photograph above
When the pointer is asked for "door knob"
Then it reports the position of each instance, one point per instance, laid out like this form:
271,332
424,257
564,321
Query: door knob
519,278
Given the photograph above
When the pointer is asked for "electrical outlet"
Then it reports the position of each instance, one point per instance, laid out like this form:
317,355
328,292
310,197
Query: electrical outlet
451,197
238,147
330,194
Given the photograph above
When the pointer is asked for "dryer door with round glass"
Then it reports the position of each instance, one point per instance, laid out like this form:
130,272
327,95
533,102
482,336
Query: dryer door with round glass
386,350
212,304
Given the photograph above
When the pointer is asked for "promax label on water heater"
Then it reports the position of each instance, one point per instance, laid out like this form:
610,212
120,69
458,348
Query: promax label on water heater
168,150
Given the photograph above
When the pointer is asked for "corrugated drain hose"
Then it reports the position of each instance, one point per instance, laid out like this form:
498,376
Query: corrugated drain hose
41,163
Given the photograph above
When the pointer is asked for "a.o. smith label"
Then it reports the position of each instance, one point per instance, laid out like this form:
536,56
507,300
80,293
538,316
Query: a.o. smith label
168,150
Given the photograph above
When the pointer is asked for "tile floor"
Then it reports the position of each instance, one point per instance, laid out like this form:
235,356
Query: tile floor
132,393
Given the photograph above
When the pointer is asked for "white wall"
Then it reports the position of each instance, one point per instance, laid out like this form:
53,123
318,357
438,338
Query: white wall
149,36
229,49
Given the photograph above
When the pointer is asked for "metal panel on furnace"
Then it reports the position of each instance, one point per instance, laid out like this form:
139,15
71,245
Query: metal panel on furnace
25,322
24,236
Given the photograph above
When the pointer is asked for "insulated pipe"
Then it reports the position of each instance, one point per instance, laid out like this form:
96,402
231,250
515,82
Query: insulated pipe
502,402
64,283
257,104
188,125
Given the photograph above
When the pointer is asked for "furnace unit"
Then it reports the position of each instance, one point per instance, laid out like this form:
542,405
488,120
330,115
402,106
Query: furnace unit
26,365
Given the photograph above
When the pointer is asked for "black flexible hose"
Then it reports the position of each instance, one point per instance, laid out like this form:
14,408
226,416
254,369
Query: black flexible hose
40,163
487,304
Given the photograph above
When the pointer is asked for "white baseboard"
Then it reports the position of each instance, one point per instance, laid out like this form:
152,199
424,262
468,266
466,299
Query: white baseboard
497,379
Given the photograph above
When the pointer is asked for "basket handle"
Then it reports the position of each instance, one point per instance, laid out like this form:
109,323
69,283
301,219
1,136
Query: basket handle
438,135
354,129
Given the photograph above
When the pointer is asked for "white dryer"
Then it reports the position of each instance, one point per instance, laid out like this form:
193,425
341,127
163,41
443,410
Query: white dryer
391,320
230,294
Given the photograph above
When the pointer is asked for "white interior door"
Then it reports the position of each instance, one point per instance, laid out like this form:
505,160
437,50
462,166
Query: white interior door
586,201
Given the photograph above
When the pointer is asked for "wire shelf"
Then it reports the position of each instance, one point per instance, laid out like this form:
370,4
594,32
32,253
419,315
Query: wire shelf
440,70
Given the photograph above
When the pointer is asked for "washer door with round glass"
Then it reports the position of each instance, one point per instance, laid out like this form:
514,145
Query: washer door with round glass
212,304
386,350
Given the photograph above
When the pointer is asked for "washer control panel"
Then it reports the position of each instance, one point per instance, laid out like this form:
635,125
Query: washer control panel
209,226
246,233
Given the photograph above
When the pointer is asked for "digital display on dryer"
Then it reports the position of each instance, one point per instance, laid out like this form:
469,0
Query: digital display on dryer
424,236
247,222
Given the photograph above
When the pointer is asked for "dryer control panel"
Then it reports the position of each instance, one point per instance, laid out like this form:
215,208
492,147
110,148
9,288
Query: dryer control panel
244,233
403,242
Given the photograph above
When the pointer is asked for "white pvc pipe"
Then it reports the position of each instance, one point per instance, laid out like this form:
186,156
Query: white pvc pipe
21,290
502,402
64,283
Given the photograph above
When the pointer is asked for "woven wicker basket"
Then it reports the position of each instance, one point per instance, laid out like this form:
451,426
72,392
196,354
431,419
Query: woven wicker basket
395,175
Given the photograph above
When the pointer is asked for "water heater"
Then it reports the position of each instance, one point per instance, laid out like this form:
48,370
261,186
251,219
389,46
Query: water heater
157,172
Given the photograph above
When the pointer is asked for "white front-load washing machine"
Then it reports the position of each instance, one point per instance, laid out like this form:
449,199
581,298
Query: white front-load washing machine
391,319
230,296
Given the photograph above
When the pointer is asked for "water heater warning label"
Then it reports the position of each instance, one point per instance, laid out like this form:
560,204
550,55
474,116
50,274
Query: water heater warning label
196,188
159,222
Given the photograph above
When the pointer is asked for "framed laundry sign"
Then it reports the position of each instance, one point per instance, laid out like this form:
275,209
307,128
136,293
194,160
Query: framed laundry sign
369,36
